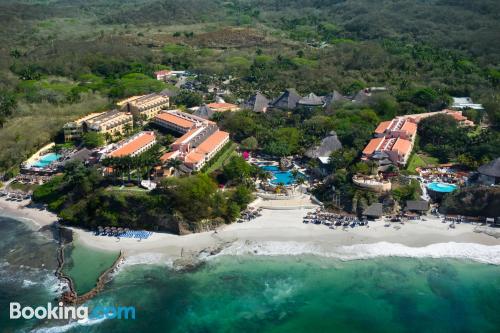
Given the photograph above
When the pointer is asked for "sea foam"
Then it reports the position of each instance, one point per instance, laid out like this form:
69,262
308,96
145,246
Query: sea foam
476,252
147,258
68,326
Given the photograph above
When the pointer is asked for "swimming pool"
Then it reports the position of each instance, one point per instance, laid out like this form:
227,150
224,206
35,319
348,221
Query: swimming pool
281,177
442,187
46,160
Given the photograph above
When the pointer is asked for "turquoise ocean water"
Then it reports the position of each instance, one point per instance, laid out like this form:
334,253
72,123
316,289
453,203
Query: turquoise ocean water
282,294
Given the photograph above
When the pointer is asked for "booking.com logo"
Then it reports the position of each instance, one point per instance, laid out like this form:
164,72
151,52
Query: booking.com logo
71,312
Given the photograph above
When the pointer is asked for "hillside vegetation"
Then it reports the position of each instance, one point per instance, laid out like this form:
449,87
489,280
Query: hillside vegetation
55,54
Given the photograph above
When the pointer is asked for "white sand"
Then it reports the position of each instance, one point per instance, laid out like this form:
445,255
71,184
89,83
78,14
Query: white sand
35,214
282,232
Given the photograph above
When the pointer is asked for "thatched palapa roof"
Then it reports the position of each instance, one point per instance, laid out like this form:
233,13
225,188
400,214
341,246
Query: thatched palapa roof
417,205
257,103
374,210
287,100
491,169
328,145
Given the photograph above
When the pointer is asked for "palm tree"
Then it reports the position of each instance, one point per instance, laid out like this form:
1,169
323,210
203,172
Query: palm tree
108,137
127,128
263,175
127,164
117,164
300,180
138,163
108,163
174,163
372,167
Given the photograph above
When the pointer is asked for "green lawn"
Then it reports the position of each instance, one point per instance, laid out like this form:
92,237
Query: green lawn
418,160
219,163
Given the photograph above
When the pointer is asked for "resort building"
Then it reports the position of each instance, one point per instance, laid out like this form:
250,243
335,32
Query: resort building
166,74
223,107
394,139
489,174
457,115
200,141
365,95
180,122
462,103
372,183
197,158
287,100
112,122
393,142
461,119
374,211
207,111
327,146
312,101
134,145
416,206
399,127
333,98
257,103
146,106
397,150
74,129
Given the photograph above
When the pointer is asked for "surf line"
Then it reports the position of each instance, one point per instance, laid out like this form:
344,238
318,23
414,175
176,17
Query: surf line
71,296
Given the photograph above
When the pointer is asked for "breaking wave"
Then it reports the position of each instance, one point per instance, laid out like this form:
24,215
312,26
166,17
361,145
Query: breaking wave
476,252
68,326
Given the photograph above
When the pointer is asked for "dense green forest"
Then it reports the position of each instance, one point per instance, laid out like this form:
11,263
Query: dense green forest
83,197
80,56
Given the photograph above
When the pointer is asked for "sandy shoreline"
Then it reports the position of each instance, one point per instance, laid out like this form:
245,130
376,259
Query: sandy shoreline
37,215
282,232
276,231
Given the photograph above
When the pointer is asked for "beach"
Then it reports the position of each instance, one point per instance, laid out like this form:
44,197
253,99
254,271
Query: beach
37,215
279,232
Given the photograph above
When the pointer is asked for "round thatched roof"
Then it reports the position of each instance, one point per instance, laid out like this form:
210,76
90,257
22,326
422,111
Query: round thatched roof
491,169
328,145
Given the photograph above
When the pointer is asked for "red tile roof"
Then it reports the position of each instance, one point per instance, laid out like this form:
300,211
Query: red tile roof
409,127
185,136
170,118
194,157
132,146
372,146
382,127
212,142
165,157
222,106
163,72
402,146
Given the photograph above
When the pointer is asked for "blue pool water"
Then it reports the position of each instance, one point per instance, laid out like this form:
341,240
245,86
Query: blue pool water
281,177
46,160
442,187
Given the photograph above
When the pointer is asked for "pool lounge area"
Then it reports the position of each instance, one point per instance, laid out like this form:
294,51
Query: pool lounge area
281,177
